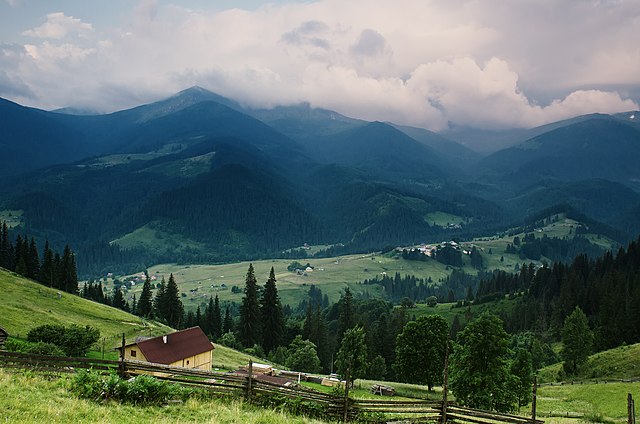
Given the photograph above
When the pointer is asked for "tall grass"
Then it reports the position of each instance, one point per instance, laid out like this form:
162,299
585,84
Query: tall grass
30,398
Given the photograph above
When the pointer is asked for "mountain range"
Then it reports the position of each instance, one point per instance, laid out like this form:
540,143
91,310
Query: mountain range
198,177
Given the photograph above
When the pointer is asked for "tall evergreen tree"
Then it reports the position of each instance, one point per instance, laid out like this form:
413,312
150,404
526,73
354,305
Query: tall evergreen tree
145,306
4,246
272,317
198,321
216,321
347,313
47,272
160,300
68,271
33,261
228,321
174,311
20,256
250,324
117,301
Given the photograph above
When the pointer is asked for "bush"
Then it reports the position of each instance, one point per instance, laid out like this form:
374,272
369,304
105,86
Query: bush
73,340
140,390
38,348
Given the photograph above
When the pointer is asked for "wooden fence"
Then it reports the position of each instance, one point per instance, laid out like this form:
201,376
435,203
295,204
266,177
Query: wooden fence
260,390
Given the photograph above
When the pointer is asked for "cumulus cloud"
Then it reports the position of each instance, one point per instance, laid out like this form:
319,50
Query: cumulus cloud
58,26
427,63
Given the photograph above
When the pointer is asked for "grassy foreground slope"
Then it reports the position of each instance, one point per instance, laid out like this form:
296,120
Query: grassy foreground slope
26,304
30,398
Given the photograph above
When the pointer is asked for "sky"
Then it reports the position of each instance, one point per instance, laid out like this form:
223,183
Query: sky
429,63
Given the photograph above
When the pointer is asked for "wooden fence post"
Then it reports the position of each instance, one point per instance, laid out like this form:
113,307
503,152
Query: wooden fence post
445,385
249,380
534,398
121,367
346,394
631,410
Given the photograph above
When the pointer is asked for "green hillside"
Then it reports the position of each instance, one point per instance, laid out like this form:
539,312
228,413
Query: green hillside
621,363
26,304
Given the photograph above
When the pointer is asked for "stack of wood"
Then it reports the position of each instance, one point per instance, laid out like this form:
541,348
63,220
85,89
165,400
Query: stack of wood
379,389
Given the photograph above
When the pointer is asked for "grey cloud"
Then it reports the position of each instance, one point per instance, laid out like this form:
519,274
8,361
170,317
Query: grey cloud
12,86
308,34
370,43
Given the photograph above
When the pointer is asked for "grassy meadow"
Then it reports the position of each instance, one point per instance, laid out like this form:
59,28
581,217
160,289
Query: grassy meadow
331,275
28,397
26,304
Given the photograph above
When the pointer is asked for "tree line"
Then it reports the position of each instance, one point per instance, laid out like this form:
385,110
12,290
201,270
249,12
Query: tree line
22,257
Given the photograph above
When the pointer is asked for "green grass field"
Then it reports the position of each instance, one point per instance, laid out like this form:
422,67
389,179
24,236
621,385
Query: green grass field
28,397
332,275
26,304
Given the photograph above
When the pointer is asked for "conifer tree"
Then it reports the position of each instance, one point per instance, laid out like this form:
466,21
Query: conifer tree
272,317
33,261
347,313
216,322
47,272
174,311
228,321
4,246
198,318
68,271
20,258
250,324
145,306
117,301
159,302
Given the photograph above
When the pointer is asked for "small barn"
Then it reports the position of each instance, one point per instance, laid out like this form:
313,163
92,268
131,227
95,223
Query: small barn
188,348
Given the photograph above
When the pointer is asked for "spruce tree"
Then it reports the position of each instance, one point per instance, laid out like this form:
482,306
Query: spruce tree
198,318
216,322
33,261
117,301
228,321
145,306
347,313
174,310
46,270
4,245
20,256
250,324
159,302
272,318
68,272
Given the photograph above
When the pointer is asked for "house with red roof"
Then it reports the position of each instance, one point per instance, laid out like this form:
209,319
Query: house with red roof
188,348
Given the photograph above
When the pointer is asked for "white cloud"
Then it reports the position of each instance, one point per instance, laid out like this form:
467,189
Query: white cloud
58,26
427,63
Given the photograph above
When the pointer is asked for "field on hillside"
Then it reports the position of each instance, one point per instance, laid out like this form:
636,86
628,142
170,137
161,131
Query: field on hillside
331,275
26,304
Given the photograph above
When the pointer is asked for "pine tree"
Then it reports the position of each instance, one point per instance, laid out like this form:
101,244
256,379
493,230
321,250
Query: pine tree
68,271
198,318
347,313
272,318
33,261
4,246
117,301
20,255
145,306
174,311
47,272
216,322
159,302
228,321
250,324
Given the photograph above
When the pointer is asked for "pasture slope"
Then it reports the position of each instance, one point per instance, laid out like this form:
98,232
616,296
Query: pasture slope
26,304
202,281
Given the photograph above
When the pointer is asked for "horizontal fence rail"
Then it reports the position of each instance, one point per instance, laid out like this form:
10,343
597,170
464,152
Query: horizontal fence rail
252,386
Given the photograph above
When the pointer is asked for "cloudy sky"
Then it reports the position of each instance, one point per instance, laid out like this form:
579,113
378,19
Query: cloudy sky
483,63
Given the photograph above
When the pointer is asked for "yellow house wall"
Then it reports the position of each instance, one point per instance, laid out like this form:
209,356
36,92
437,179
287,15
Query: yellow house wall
201,361
139,356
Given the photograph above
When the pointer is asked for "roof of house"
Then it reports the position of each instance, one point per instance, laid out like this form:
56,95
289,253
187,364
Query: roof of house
175,346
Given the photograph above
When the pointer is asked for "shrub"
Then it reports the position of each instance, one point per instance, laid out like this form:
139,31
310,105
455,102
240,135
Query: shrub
73,340
140,390
38,348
